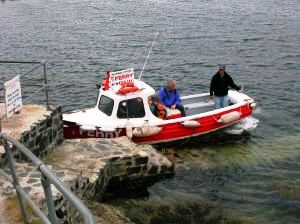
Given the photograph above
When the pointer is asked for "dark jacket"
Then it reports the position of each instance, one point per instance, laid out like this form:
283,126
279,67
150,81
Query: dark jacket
219,86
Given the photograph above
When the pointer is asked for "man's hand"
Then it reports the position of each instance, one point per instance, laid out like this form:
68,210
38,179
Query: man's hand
210,97
173,106
241,90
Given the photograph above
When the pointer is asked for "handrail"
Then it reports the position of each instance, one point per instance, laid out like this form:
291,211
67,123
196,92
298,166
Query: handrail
34,207
47,179
38,65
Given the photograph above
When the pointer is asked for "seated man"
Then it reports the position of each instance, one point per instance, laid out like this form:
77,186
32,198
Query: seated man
170,97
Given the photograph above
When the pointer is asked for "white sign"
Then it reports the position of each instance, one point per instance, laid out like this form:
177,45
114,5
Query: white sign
13,96
123,76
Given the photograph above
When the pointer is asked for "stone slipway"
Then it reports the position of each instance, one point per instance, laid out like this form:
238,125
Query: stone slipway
91,168
21,122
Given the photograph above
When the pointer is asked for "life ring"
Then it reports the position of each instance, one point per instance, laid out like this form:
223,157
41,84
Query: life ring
127,87
127,84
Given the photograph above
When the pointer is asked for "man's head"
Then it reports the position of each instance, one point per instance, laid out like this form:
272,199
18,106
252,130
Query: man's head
171,85
221,69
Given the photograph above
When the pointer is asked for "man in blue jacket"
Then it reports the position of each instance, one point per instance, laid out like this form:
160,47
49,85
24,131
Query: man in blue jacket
170,97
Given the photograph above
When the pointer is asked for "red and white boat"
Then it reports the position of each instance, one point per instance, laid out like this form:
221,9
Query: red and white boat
123,109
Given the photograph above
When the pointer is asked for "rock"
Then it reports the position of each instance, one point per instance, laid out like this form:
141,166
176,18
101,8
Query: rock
133,170
31,180
288,189
23,174
153,170
141,160
183,212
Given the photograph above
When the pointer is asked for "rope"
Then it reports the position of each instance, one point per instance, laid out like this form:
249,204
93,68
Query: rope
148,55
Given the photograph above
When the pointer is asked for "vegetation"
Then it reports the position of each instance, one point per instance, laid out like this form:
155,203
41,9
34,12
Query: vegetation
12,210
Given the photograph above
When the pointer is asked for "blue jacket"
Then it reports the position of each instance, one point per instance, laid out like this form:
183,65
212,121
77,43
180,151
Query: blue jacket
168,99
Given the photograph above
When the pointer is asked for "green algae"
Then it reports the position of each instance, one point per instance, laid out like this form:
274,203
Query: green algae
287,189
184,212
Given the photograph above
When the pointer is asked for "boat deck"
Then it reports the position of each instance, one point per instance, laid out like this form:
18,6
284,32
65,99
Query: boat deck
197,104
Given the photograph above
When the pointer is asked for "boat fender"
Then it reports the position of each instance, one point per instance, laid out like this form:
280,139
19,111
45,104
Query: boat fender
230,117
252,105
191,124
129,130
146,131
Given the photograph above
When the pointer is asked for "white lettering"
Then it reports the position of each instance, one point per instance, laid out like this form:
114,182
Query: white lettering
119,77
97,133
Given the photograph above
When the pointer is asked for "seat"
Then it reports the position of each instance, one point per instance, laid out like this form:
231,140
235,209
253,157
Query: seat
173,113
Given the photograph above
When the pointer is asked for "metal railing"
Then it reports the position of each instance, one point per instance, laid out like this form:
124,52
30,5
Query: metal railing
47,178
38,65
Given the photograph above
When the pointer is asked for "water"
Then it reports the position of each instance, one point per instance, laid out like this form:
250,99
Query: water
256,174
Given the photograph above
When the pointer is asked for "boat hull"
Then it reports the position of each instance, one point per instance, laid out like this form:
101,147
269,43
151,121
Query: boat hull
170,131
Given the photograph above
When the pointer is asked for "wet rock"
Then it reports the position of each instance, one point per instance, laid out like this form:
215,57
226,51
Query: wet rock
91,166
288,189
141,160
133,170
27,189
60,174
35,175
23,174
153,170
115,158
163,169
31,180
126,150
116,168
172,156
117,153
183,212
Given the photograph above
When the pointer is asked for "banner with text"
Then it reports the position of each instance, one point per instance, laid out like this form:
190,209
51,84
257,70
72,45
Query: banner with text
123,76
13,96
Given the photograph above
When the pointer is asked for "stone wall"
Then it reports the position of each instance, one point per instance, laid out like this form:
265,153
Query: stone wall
42,136
129,173
134,173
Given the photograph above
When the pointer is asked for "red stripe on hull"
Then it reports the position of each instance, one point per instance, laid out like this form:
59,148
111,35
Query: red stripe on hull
170,132
176,131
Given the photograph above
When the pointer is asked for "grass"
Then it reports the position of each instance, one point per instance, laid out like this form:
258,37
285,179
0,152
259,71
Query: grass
12,210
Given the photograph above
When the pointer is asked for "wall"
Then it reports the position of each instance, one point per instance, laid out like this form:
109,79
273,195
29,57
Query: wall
43,136
130,173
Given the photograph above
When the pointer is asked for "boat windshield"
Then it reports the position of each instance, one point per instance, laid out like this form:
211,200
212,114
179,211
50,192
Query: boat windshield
133,108
106,105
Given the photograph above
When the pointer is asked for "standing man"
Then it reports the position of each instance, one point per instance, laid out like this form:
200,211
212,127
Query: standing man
219,87
170,97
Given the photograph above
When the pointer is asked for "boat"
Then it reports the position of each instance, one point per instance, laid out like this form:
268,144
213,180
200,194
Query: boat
122,109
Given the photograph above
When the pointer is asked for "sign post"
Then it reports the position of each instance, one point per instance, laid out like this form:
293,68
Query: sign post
13,96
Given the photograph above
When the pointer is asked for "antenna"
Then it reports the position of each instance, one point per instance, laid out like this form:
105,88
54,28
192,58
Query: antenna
148,55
